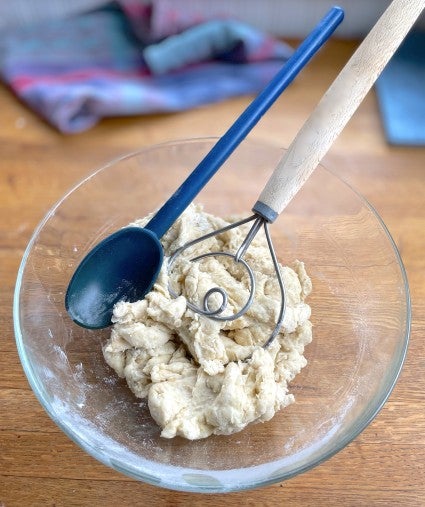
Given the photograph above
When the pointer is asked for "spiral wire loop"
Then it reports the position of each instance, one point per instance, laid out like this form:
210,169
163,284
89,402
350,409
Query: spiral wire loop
217,313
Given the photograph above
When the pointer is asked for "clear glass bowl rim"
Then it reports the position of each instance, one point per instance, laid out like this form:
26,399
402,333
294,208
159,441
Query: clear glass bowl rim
102,456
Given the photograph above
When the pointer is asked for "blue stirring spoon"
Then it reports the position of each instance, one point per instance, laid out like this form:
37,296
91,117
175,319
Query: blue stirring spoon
125,265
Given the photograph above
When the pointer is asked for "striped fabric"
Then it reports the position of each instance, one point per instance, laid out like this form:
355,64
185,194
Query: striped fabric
130,59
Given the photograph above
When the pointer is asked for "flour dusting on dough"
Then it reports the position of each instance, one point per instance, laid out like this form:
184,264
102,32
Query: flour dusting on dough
200,376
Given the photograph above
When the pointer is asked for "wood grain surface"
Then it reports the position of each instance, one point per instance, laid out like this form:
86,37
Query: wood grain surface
40,466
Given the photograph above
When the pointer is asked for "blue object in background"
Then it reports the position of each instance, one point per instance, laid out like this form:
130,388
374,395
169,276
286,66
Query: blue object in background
401,93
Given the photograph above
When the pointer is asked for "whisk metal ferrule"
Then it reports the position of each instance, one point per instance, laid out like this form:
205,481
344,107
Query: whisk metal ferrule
265,212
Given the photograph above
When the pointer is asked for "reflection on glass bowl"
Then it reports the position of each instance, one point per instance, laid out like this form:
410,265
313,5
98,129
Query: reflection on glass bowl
360,314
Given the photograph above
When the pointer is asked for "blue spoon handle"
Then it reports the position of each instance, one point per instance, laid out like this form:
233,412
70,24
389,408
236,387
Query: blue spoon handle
225,146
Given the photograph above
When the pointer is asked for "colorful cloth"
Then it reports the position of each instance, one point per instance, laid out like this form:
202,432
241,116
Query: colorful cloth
121,60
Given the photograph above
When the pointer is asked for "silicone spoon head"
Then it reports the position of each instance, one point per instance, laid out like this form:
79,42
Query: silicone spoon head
123,266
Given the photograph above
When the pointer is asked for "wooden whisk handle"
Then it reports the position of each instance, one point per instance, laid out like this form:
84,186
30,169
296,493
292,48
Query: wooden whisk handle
337,106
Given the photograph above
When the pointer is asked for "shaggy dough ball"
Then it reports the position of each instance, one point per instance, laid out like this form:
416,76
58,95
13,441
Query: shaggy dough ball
201,376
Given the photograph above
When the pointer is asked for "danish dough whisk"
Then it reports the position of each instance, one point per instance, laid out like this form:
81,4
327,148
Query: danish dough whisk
306,151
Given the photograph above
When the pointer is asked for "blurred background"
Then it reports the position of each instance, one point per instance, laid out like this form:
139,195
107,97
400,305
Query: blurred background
75,63
283,18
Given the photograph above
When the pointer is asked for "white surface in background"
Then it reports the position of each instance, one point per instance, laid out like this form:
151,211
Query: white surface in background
285,18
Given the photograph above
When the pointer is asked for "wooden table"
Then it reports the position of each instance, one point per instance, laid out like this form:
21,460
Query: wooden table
40,466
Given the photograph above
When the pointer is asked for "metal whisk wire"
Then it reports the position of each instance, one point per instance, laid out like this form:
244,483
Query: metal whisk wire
217,313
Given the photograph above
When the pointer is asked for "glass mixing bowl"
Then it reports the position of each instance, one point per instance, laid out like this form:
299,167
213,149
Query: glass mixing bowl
360,313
